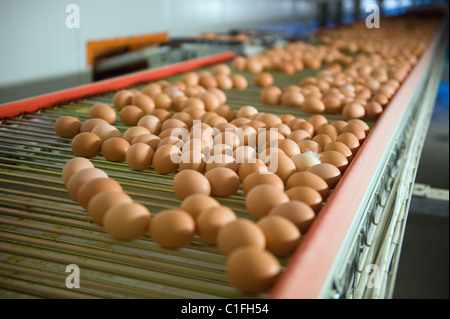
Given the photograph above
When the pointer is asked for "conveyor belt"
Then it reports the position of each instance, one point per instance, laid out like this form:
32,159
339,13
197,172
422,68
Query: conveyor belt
42,230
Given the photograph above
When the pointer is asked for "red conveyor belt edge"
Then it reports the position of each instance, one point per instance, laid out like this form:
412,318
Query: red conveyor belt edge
312,262
49,100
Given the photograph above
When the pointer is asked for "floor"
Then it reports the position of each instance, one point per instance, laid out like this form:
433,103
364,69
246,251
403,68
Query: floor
423,271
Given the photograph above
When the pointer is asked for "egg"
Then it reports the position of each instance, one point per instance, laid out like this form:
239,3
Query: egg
222,160
94,187
191,78
102,202
313,105
327,129
86,145
361,123
305,126
309,146
293,99
139,156
207,81
282,128
134,131
263,79
305,160
238,233
286,118
67,126
115,149
340,147
166,159
257,274
90,124
172,228
282,236
221,149
307,195
289,147
224,181
221,68
260,178
322,140
333,104
280,164
329,173
226,112
353,110
149,139
271,95
74,165
188,182
211,220
173,123
127,221
82,176
122,98
299,213
312,180
194,160
219,94
350,140
224,81
247,168
195,204
163,101
151,90
334,158
106,131
299,135
239,63
239,81
247,111
162,114
103,111
356,130
151,123
339,125
262,198
131,114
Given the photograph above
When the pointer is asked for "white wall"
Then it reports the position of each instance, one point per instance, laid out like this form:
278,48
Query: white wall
36,44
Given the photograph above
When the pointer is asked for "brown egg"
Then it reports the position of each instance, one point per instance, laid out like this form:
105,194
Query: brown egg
227,138
172,229
299,213
207,81
339,125
127,221
245,154
162,114
322,140
334,158
195,204
239,63
210,100
254,66
282,236
299,135
373,110
280,164
309,146
309,179
353,111
221,68
103,111
149,139
184,117
131,114
361,123
341,148
94,187
327,129
166,159
239,81
260,178
192,101
82,176
356,130
163,101
191,78
74,165
283,129
292,98
152,89
139,156
90,124
224,82
144,102
86,145
115,149
219,94
106,131
303,125
151,123
257,274
189,182
247,168
193,160
224,181
307,195
67,126
226,112
211,220
350,140
222,160
134,131
263,79
328,172
102,202
240,121
304,161
262,198
238,233
317,120
313,105
268,118
289,147
122,98
247,111
271,95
